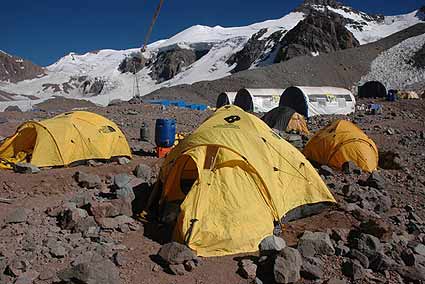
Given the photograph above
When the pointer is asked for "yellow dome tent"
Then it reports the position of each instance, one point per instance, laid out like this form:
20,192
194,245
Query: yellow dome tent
235,178
341,142
64,139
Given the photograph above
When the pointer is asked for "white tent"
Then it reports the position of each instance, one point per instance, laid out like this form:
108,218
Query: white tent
225,98
258,100
311,101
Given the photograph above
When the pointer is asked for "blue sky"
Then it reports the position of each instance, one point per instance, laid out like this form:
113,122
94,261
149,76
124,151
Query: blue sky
45,30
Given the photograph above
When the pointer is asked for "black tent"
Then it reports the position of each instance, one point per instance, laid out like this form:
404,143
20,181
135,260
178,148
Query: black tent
372,89
222,100
279,117
294,98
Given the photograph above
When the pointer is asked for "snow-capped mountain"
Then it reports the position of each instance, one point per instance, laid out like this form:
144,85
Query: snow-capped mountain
196,54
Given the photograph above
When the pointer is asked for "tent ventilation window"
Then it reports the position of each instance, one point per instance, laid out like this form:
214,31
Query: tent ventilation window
107,129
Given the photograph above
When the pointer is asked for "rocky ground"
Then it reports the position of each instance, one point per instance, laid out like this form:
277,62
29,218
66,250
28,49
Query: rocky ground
76,225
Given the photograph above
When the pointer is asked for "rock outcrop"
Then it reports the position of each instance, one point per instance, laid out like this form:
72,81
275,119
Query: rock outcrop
171,62
132,63
255,50
15,69
318,33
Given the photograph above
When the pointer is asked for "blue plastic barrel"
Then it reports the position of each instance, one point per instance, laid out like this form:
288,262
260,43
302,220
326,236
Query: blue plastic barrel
391,96
165,132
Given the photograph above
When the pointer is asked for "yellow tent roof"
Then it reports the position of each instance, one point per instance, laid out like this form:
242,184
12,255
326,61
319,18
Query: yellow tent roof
245,177
63,139
341,142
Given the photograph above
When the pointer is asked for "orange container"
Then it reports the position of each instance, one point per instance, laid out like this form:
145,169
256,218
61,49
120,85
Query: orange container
161,152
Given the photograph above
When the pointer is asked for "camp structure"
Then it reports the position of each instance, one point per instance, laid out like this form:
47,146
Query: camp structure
258,100
407,95
372,89
64,139
286,119
311,101
225,98
341,142
235,179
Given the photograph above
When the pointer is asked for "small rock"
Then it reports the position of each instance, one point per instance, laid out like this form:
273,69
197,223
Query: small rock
408,257
340,235
355,254
123,161
353,269
156,268
57,251
367,244
248,268
376,180
111,208
326,171
419,249
378,228
412,273
82,199
312,268
351,168
287,266
121,180
19,215
23,280
143,172
25,168
379,262
46,274
175,253
177,269
390,131
271,245
119,259
87,180
341,250
390,160
16,267
190,265
69,218
126,193
318,243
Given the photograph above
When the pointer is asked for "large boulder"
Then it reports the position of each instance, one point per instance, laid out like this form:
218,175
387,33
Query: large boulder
175,253
287,266
271,245
87,180
96,270
317,243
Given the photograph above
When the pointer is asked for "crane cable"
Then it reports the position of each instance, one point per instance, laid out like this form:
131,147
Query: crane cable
143,48
155,16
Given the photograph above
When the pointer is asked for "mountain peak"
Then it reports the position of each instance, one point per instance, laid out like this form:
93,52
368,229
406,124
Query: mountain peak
331,3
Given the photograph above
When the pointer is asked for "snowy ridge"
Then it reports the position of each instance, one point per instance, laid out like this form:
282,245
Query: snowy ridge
220,43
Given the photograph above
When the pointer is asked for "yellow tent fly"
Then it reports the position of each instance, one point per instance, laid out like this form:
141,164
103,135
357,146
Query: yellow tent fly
236,178
64,139
341,142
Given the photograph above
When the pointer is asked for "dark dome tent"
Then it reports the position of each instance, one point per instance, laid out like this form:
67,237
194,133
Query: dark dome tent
225,98
258,100
285,119
311,101
372,89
